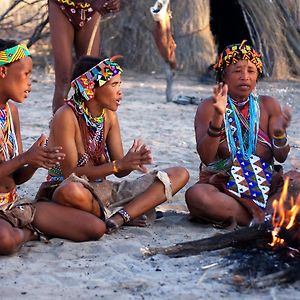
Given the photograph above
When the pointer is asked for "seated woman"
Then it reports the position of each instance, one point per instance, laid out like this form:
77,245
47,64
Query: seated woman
88,130
22,220
238,136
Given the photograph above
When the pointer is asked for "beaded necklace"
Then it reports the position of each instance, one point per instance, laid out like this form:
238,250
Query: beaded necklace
80,109
92,129
8,141
237,138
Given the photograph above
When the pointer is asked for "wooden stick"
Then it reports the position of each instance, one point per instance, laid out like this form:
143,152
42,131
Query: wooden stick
93,35
255,234
169,78
284,276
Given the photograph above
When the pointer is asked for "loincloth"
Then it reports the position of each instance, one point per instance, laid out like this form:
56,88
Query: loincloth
220,179
110,195
19,213
78,14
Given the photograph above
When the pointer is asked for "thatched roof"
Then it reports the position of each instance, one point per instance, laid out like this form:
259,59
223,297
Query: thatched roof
130,34
274,30
272,26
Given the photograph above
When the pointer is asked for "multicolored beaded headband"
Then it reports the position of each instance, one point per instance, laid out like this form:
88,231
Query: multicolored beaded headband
12,54
233,53
101,73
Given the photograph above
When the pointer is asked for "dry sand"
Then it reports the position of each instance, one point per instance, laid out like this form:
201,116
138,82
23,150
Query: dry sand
114,267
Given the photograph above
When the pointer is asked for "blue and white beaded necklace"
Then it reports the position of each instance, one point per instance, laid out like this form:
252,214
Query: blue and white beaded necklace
233,128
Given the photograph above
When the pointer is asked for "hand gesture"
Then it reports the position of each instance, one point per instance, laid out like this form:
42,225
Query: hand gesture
105,6
39,155
220,98
283,121
136,158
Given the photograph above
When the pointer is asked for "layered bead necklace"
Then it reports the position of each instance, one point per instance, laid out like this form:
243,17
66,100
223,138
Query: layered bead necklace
8,141
92,130
237,140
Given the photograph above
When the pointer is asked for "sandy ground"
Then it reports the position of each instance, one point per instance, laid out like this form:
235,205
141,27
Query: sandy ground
114,267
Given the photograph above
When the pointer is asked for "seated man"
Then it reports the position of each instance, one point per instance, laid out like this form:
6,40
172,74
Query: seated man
238,136
88,130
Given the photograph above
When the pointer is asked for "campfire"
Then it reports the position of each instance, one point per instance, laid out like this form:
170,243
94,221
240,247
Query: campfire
282,231
284,219
278,237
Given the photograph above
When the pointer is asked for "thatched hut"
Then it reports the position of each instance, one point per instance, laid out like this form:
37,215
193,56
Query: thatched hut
201,29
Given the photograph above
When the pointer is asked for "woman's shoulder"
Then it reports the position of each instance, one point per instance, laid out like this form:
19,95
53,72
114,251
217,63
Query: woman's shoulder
205,104
13,108
14,111
111,116
64,115
64,111
268,101
266,98
269,104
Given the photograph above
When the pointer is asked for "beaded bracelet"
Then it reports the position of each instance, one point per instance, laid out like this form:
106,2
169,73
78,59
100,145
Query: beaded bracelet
125,215
115,168
210,126
279,147
213,134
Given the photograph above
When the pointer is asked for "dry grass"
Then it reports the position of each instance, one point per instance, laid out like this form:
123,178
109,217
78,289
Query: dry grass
129,33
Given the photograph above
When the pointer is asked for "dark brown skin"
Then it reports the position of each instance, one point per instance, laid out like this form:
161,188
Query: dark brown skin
65,131
50,218
65,36
164,41
240,80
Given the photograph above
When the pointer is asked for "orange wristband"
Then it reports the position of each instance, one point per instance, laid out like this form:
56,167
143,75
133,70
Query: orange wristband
115,168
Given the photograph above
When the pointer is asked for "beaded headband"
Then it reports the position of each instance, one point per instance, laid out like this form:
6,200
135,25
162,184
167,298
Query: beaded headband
233,53
101,73
12,54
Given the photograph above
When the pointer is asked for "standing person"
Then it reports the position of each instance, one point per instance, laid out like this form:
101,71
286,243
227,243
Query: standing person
238,136
87,128
74,23
21,220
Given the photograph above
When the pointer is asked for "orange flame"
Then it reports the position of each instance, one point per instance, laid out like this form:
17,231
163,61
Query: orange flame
282,216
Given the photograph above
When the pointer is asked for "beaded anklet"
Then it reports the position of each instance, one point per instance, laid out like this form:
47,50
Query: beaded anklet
124,214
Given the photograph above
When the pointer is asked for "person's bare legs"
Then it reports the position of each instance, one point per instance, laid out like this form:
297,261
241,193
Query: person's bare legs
87,39
11,238
154,195
60,221
74,194
62,39
207,202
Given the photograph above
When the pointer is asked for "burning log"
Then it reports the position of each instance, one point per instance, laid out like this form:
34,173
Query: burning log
164,40
283,230
285,220
258,235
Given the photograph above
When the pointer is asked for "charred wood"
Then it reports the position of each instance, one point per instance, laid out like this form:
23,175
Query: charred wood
256,235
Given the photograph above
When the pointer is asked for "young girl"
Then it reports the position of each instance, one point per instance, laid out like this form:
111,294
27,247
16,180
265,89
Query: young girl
20,220
87,128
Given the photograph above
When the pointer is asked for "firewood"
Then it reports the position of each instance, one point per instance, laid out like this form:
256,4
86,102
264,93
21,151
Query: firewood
257,234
